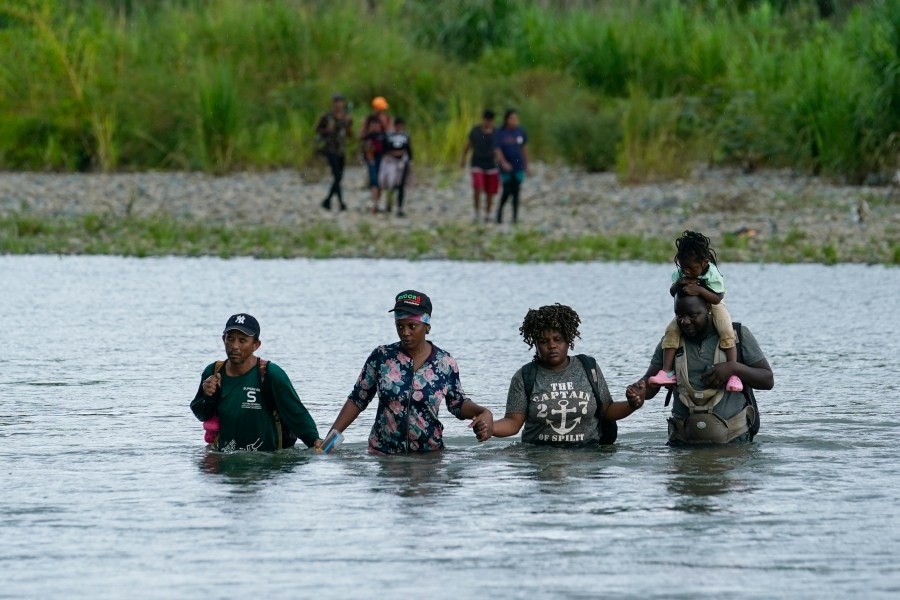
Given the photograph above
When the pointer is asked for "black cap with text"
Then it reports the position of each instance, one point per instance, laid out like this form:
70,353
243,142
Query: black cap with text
243,323
412,302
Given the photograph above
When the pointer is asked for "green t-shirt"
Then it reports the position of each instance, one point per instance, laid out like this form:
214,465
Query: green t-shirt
244,406
700,356
712,278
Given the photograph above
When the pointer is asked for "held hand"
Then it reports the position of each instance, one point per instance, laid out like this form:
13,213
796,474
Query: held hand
211,384
483,425
717,375
318,444
506,165
635,400
636,393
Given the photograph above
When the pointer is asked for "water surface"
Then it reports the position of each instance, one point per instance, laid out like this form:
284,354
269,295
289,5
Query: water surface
106,489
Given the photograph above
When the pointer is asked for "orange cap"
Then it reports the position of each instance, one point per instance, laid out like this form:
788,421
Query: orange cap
379,103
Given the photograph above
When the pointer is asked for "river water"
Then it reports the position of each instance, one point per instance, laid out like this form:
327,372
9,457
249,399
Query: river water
106,489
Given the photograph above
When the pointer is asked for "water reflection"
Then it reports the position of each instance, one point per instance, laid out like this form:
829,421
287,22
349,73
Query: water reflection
413,476
560,465
698,474
250,469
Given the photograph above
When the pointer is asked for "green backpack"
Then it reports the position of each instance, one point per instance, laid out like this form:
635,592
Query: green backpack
608,430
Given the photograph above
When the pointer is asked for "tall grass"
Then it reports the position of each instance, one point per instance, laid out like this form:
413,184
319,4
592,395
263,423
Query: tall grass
638,86
218,118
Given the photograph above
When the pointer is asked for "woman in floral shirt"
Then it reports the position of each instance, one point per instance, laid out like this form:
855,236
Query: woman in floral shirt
411,378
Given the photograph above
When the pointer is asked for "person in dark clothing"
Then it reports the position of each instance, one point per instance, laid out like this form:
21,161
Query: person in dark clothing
333,130
512,154
485,173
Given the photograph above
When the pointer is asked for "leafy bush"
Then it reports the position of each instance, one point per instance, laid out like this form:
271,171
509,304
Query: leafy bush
233,84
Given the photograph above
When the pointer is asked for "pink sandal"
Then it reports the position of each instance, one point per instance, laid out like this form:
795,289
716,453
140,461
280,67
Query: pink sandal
211,428
734,384
663,378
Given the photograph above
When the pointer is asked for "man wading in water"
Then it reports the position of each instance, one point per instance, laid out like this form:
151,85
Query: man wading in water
247,403
703,412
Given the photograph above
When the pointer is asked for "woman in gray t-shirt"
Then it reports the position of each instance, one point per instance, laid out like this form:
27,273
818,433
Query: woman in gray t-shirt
560,401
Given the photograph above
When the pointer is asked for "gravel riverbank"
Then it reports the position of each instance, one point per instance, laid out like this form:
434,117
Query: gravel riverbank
751,217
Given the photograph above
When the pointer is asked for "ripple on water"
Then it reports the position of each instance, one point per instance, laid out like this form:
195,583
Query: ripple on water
104,482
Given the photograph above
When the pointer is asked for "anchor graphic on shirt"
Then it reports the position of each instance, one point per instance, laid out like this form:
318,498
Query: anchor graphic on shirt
563,410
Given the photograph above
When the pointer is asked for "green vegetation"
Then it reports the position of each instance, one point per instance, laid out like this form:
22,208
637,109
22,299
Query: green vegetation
164,235
21,233
643,87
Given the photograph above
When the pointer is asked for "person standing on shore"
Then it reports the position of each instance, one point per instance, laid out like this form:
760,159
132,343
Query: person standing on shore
395,165
380,108
373,139
512,155
485,173
333,131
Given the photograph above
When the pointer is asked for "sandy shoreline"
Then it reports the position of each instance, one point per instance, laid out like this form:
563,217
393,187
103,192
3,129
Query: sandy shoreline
557,202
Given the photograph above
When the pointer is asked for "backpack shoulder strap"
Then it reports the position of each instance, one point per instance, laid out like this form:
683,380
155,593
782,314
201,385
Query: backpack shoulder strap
263,369
609,430
529,375
284,434
590,368
263,365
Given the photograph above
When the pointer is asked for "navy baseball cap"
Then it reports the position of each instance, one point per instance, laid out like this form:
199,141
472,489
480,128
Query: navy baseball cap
412,302
244,323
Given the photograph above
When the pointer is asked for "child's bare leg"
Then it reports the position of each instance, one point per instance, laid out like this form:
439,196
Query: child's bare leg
670,343
668,359
730,354
722,321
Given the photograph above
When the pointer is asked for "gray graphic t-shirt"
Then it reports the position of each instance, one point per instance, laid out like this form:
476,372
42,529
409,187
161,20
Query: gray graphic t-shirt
562,409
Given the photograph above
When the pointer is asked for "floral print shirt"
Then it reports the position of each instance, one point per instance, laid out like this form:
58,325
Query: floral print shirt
407,419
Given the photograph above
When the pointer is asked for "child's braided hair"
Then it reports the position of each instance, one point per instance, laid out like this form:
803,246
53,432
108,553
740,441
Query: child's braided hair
557,317
692,245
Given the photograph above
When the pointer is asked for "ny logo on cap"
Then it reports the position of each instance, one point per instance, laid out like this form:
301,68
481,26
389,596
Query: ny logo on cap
239,319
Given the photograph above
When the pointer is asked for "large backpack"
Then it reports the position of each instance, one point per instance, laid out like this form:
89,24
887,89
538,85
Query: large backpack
748,391
608,430
286,437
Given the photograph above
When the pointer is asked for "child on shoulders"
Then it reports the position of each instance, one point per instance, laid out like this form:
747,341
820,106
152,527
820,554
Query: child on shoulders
698,274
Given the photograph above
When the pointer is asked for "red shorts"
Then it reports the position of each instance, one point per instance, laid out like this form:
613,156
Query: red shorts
487,180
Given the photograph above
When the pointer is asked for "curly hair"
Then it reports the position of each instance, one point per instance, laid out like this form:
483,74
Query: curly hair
557,317
692,245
